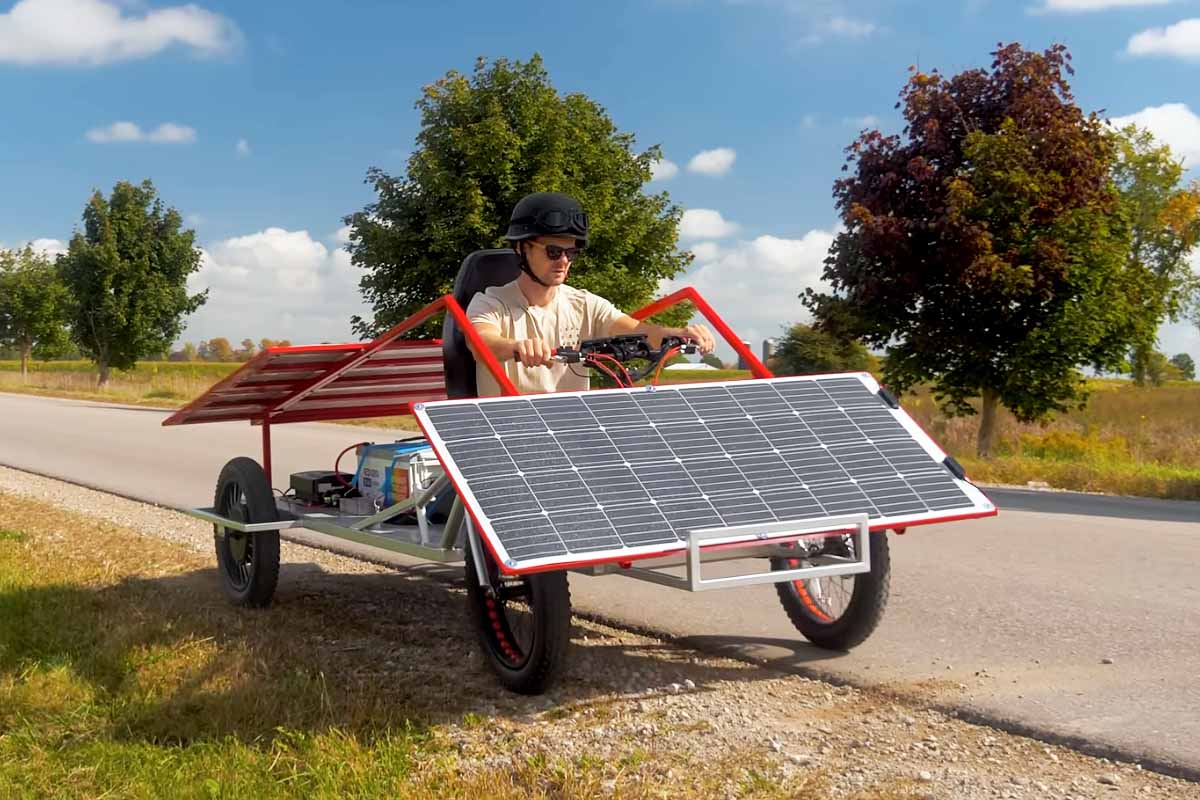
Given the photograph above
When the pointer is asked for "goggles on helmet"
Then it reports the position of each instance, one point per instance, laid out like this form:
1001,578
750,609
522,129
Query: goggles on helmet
554,220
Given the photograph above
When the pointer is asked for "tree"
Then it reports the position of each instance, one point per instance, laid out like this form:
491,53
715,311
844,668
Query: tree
217,349
127,273
33,306
985,251
804,350
485,141
247,351
1186,366
1165,226
712,360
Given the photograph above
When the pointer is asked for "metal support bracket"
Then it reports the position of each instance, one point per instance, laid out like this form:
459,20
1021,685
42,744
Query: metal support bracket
695,582
477,555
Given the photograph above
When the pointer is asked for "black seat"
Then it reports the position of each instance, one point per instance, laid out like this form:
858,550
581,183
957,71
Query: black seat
481,269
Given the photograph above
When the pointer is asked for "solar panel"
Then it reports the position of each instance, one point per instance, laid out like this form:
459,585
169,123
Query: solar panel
588,477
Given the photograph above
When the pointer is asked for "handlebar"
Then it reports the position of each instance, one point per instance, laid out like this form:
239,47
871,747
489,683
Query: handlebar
624,348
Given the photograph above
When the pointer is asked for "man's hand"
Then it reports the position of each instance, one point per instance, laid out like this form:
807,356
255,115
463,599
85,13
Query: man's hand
701,335
533,352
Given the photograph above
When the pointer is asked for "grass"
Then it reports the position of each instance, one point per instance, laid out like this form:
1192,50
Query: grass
124,674
1127,440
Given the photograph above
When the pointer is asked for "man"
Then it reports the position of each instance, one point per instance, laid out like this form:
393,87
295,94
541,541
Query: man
524,321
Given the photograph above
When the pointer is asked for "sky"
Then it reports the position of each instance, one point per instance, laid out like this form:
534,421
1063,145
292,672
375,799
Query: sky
258,121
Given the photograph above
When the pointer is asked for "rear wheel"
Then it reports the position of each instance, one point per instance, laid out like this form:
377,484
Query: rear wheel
247,562
524,626
838,611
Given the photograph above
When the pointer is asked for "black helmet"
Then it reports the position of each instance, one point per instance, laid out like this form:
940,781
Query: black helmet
548,213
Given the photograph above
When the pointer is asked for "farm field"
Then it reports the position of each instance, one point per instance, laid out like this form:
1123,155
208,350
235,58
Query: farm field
1127,440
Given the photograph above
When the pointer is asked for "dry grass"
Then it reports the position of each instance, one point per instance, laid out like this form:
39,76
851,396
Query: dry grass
1127,440
123,673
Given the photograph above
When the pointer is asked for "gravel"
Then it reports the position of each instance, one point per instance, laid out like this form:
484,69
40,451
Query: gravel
627,693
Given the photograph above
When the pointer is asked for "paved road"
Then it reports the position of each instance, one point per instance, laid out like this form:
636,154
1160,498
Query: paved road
1020,609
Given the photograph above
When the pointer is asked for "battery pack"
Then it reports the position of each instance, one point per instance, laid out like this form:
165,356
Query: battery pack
315,485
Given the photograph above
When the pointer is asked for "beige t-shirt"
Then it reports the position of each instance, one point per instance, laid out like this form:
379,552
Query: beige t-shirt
573,315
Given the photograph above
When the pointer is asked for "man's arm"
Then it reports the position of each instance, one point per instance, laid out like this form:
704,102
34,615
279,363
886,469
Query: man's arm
530,352
655,333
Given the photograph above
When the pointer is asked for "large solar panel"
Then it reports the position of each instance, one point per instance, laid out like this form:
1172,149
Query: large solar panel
588,477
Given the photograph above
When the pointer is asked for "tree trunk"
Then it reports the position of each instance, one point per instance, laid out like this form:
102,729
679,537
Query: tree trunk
26,352
102,383
987,424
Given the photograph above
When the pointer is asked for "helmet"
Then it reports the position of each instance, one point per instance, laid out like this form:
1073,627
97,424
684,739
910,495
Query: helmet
548,213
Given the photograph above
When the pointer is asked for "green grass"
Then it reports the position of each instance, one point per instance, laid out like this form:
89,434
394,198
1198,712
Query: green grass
125,674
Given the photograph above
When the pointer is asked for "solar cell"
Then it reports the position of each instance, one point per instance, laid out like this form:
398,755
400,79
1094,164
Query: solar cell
610,475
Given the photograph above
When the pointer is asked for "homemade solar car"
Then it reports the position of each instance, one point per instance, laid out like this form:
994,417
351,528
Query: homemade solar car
790,481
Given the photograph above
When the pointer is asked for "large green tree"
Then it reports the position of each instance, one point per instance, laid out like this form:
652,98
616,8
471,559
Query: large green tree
985,248
485,141
1164,218
33,306
804,350
127,272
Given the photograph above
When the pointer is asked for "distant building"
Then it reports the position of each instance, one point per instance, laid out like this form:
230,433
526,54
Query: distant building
742,364
768,349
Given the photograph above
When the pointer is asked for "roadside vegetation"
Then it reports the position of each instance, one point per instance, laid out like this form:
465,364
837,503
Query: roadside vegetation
123,673
1130,440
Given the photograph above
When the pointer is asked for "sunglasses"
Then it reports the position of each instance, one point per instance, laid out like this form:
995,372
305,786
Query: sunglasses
554,252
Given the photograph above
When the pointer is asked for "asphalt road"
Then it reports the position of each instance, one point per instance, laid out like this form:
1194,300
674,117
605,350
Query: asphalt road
1008,619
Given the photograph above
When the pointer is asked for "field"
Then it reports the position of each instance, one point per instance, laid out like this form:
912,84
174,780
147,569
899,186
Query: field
1127,440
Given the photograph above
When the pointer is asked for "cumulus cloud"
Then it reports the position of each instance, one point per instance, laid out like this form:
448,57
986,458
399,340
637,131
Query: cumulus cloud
1174,124
1181,40
276,283
865,121
1081,6
46,247
713,162
93,32
242,148
663,170
755,284
166,133
705,223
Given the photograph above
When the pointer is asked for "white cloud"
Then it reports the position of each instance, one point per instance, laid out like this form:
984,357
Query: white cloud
808,121
195,219
342,235
1181,40
275,283
663,170
242,148
1173,124
92,32
755,284
865,121
837,27
1080,6
166,133
713,162
705,223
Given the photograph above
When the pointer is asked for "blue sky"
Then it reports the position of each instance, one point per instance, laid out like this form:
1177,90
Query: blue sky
258,120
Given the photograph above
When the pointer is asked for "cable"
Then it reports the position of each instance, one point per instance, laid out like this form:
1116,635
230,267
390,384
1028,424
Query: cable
628,379
593,362
337,474
661,363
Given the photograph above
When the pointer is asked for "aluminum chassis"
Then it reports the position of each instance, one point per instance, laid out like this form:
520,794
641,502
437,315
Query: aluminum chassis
775,540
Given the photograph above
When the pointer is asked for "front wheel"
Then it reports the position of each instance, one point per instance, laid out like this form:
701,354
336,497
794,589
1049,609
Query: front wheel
524,626
247,562
838,612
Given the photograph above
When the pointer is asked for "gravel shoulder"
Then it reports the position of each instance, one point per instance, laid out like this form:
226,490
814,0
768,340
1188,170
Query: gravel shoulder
653,714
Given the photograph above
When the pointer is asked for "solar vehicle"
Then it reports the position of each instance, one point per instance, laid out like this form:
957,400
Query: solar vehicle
789,481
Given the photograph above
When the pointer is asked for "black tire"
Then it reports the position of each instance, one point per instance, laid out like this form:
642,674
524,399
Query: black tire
839,626
525,630
248,563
